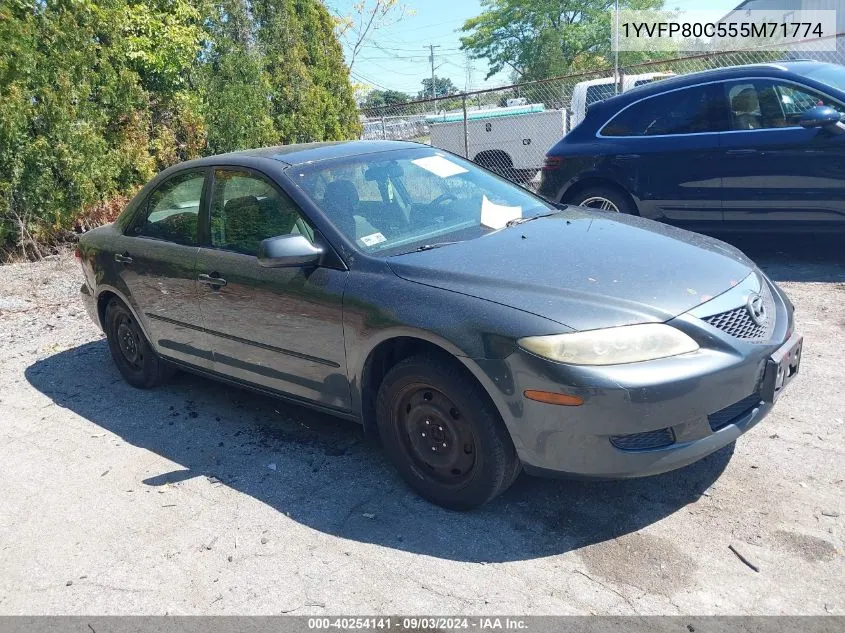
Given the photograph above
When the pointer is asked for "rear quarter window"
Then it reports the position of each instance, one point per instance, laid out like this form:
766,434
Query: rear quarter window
692,110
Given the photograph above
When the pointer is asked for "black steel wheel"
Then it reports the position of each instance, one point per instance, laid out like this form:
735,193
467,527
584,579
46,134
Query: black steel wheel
137,362
443,434
435,436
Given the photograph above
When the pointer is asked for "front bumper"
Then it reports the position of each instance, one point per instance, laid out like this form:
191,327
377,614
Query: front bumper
643,418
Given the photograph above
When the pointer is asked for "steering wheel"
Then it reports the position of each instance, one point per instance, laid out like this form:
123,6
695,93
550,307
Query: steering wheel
443,197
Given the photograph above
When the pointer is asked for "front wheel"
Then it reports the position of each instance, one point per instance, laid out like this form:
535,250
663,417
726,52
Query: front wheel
443,434
604,199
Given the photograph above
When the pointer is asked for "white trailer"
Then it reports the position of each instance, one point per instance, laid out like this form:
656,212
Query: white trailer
501,139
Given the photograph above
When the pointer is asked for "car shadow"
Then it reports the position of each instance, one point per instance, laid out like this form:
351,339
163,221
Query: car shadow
794,257
324,473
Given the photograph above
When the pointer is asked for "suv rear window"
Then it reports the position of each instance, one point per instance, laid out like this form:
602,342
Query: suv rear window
690,110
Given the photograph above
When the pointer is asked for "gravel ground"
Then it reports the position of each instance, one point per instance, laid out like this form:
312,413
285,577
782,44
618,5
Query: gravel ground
200,498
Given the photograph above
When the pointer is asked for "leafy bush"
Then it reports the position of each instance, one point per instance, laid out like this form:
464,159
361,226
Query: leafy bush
96,96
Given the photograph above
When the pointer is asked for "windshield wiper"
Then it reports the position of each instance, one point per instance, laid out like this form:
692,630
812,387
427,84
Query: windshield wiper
428,247
518,221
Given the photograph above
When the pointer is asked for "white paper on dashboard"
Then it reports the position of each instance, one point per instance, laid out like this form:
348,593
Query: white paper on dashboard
496,216
439,166
372,239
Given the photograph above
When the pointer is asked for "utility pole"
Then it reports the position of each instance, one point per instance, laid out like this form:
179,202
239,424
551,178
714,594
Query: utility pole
616,47
431,48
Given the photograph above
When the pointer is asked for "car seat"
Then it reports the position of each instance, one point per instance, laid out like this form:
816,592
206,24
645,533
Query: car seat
746,110
340,202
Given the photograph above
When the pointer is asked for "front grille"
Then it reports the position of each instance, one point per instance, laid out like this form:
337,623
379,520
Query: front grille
644,441
739,324
734,412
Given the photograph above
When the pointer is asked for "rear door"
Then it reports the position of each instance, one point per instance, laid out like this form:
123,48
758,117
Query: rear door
775,170
156,260
279,328
667,153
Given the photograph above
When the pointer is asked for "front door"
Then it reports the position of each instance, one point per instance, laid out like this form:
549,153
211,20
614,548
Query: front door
777,171
156,260
279,328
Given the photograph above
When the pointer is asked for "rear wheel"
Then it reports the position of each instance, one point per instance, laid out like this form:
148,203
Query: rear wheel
443,434
139,365
604,199
498,162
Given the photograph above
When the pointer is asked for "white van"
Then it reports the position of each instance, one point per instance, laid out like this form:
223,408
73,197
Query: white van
588,92
507,140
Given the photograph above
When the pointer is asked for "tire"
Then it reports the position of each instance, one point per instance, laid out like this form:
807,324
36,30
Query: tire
139,365
498,162
605,199
478,460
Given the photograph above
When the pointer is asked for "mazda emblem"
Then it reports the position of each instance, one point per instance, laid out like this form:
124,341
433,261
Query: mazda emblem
756,308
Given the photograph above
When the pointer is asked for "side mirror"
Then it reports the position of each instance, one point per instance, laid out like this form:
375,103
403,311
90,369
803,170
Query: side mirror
286,251
820,116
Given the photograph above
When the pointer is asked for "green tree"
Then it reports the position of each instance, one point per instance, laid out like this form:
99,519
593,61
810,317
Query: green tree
537,39
311,98
96,96
443,87
381,98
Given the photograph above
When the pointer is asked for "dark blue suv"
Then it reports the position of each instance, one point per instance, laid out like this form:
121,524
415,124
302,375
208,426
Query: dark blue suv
758,146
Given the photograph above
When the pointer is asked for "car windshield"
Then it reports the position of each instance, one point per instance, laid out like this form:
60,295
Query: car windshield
829,74
413,199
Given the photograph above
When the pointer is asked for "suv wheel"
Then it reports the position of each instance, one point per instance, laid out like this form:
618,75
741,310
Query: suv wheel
443,434
604,199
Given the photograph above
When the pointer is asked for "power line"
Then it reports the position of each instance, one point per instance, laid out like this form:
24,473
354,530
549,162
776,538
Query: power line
394,72
402,50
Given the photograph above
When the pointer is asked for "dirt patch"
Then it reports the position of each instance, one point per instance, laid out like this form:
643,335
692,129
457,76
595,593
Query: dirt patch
810,548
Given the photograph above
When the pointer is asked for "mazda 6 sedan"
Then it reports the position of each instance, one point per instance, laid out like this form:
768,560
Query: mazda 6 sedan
477,328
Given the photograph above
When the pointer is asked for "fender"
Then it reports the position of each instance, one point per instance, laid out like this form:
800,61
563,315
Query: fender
491,374
101,288
602,175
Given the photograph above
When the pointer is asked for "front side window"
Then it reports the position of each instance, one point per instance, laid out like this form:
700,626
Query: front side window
685,111
246,209
397,201
764,104
172,210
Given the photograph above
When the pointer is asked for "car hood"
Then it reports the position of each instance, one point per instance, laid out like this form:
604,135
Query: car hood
584,269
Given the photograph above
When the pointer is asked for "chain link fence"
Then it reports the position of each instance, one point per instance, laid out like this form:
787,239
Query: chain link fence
510,129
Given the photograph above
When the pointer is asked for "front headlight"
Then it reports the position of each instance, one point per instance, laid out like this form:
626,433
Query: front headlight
611,346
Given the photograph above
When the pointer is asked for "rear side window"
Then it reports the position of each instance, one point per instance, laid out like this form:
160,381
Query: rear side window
172,210
686,111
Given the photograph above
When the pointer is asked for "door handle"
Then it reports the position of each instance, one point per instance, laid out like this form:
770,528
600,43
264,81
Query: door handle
627,156
741,152
212,281
123,259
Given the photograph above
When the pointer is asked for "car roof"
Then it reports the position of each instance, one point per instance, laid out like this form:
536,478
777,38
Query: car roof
771,69
300,153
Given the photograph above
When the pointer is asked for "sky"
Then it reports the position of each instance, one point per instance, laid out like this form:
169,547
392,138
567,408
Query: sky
397,57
